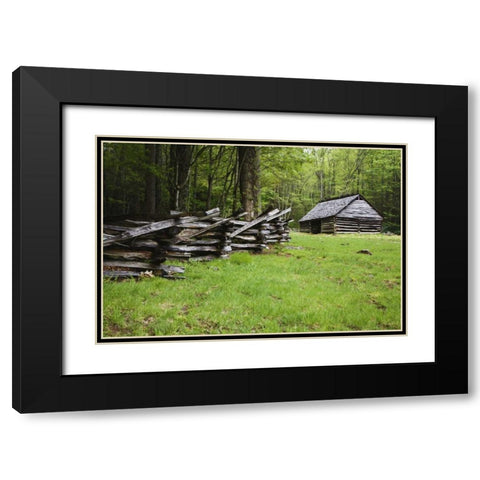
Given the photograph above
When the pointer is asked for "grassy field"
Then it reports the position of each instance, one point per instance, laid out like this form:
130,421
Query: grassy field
313,283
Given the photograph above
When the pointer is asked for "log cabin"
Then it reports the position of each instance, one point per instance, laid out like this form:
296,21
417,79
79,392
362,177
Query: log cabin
351,214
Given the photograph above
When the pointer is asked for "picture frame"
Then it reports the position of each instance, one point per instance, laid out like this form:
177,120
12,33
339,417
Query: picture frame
39,97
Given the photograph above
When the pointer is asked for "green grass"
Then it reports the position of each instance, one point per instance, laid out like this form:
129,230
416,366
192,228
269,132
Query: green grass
315,283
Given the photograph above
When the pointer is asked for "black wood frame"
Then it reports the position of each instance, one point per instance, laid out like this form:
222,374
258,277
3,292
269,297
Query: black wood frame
38,97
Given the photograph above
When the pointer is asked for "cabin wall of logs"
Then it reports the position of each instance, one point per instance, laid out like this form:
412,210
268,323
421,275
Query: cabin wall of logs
133,248
353,225
333,225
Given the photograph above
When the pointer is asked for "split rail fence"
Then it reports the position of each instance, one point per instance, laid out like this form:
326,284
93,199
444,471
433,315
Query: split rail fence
133,248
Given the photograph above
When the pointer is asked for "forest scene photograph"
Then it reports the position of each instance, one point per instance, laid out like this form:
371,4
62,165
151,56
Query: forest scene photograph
209,238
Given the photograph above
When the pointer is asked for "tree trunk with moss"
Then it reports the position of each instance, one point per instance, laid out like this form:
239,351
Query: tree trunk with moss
249,176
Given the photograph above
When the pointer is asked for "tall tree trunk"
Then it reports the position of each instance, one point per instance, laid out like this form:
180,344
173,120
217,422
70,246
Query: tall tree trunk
180,162
249,173
195,180
162,199
209,191
228,182
150,178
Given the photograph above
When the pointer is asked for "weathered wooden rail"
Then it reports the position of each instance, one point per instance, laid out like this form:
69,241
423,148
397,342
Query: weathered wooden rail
133,247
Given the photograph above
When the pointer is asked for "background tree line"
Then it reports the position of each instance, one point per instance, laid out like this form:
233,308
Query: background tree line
149,180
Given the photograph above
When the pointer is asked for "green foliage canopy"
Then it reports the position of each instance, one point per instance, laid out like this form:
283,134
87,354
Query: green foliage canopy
136,175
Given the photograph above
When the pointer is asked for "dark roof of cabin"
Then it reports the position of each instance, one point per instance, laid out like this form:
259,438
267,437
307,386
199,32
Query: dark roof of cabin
330,208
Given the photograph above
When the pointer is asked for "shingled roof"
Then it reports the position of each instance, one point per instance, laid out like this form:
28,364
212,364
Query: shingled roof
329,208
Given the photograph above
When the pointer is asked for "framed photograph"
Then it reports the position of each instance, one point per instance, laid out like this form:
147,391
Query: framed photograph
194,239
